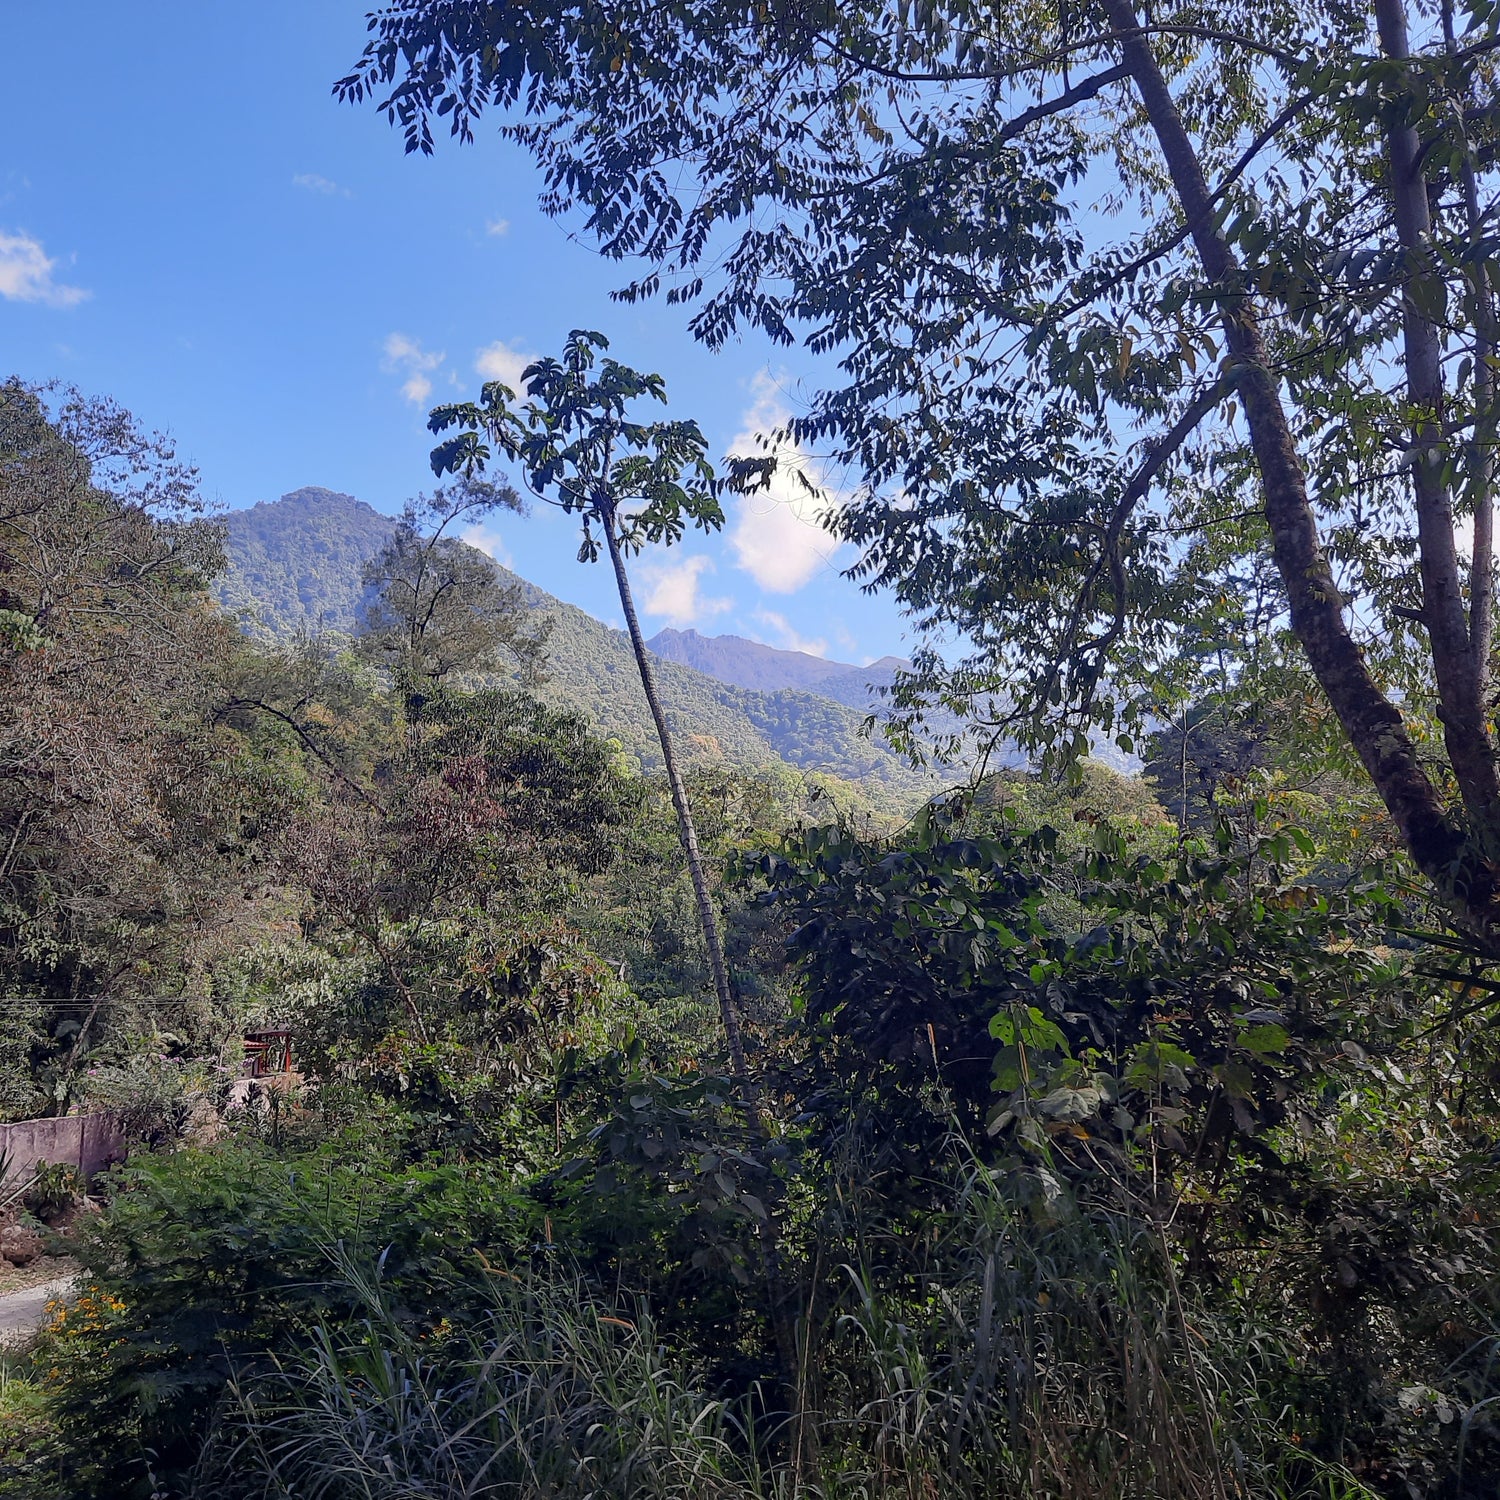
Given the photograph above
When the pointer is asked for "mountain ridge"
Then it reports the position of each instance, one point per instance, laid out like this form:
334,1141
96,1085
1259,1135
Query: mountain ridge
295,566
762,668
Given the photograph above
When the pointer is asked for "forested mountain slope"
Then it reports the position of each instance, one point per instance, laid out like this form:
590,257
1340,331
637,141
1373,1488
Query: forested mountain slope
294,565
750,664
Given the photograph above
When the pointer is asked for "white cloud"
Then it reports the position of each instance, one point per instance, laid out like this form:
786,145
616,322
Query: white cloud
315,182
503,362
499,228
786,634
405,356
776,534
26,273
486,536
673,591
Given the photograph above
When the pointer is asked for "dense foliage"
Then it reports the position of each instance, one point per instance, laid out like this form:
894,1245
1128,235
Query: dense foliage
1095,1138
1164,1170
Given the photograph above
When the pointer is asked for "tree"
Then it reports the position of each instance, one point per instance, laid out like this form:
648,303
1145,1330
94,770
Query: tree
496,803
438,607
1133,311
128,815
635,483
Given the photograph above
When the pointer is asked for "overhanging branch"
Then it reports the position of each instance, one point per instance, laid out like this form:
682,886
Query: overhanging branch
1159,452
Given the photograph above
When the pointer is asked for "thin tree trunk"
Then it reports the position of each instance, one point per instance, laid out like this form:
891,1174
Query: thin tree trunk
81,1040
1465,734
1482,568
1374,724
780,1289
1481,468
393,973
728,1011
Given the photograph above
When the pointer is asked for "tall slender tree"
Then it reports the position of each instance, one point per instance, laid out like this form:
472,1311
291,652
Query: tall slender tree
632,483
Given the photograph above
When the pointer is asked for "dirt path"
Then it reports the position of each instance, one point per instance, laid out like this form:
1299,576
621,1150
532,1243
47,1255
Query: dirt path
22,1312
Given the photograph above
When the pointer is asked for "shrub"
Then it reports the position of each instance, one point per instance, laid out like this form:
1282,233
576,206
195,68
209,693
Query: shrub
31,1451
207,1259
53,1189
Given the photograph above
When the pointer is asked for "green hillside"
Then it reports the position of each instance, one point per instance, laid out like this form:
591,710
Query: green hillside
294,565
752,664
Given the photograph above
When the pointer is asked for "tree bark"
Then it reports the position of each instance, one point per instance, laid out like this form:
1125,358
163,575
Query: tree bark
1481,467
1374,724
728,1010
1465,733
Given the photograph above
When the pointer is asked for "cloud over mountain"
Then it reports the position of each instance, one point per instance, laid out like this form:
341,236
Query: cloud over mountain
776,533
673,590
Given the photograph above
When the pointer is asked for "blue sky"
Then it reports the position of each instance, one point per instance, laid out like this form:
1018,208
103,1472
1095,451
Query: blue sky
191,224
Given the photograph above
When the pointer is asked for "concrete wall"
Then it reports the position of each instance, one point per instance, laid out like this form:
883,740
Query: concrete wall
88,1142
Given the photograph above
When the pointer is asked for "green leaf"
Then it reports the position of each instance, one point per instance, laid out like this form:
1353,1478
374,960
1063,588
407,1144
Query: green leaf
1266,1040
1068,1104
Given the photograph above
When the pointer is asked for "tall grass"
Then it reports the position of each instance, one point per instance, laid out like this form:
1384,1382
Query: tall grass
1048,1358
546,1394
1007,1356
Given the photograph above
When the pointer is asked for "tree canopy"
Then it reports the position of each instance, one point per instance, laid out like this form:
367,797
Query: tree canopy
1150,331
122,810
438,606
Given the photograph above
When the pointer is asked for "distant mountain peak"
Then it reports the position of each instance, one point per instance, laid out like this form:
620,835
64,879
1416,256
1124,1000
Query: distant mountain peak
316,497
666,640
297,563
